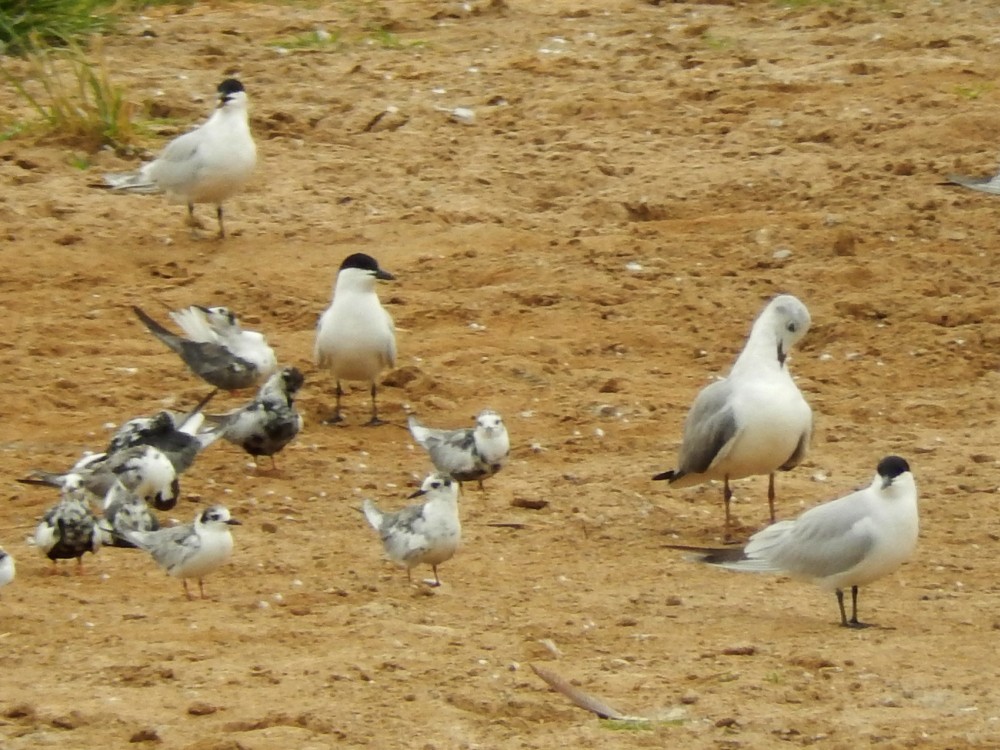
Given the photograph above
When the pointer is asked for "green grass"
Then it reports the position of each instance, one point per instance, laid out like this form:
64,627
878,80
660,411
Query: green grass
27,24
72,93
971,93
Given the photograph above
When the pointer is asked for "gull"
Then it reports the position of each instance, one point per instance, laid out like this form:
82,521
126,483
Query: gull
851,541
426,533
124,511
217,349
69,529
190,550
178,439
982,184
755,420
468,453
142,469
207,165
7,569
269,422
355,337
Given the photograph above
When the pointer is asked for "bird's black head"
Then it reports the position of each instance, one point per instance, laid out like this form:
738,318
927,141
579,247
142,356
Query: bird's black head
891,467
365,262
229,87
293,379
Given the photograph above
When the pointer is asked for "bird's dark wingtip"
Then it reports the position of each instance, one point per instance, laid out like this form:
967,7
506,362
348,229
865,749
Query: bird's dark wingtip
668,475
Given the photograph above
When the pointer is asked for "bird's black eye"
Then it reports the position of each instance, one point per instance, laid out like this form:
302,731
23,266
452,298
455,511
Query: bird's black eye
435,485
791,327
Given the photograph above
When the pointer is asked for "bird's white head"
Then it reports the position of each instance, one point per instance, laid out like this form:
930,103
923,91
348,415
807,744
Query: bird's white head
360,271
787,320
216,516
437,486
489,423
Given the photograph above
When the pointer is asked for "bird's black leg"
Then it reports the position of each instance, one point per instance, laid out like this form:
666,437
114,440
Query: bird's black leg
437,581
335,417
374,421
770,494
222,228
853,622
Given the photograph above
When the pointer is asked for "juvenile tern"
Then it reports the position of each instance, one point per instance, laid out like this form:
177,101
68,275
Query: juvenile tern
754,421
191,550
269,422
851,541
207,165
467,453
218,350
124,511
355,337
69,529
142,469
426,533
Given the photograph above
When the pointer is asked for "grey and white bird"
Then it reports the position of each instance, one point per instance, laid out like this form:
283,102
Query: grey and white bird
468,453
209,164
848,542
7,568
269,422
191,550
142,469
69,529
989,184
427,533
355,337
179,438
124,511
755,420
216,349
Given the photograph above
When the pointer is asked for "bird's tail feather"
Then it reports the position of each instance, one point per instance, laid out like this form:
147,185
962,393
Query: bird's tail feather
130,182
373,514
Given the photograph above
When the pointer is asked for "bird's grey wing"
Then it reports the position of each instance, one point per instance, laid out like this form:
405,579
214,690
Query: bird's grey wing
169,547
402,532
180,162
801,448
453,451
825,540
390,346
982,184
709,426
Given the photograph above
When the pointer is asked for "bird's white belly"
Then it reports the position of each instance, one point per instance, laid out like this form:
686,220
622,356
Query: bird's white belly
214,552
765,444
353,348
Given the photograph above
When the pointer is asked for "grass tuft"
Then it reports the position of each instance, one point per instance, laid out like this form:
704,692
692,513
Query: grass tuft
75,97
26,24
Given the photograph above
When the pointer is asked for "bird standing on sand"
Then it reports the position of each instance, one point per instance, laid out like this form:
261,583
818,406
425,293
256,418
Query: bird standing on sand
355,337
207,165
755,420
851,541
427,533
468,453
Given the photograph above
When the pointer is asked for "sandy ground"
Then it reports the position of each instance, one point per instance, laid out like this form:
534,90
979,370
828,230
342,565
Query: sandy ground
638,180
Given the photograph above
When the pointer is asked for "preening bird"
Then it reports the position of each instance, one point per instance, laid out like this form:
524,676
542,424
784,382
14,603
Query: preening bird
755,420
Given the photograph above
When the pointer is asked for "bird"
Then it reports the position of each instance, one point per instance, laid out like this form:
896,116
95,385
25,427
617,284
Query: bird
355,337
206,165
270,421
190,550
179,439
69,529
217,349
124,511
427,533
848,542
755,420
982,184
7,568
467,453
142,469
